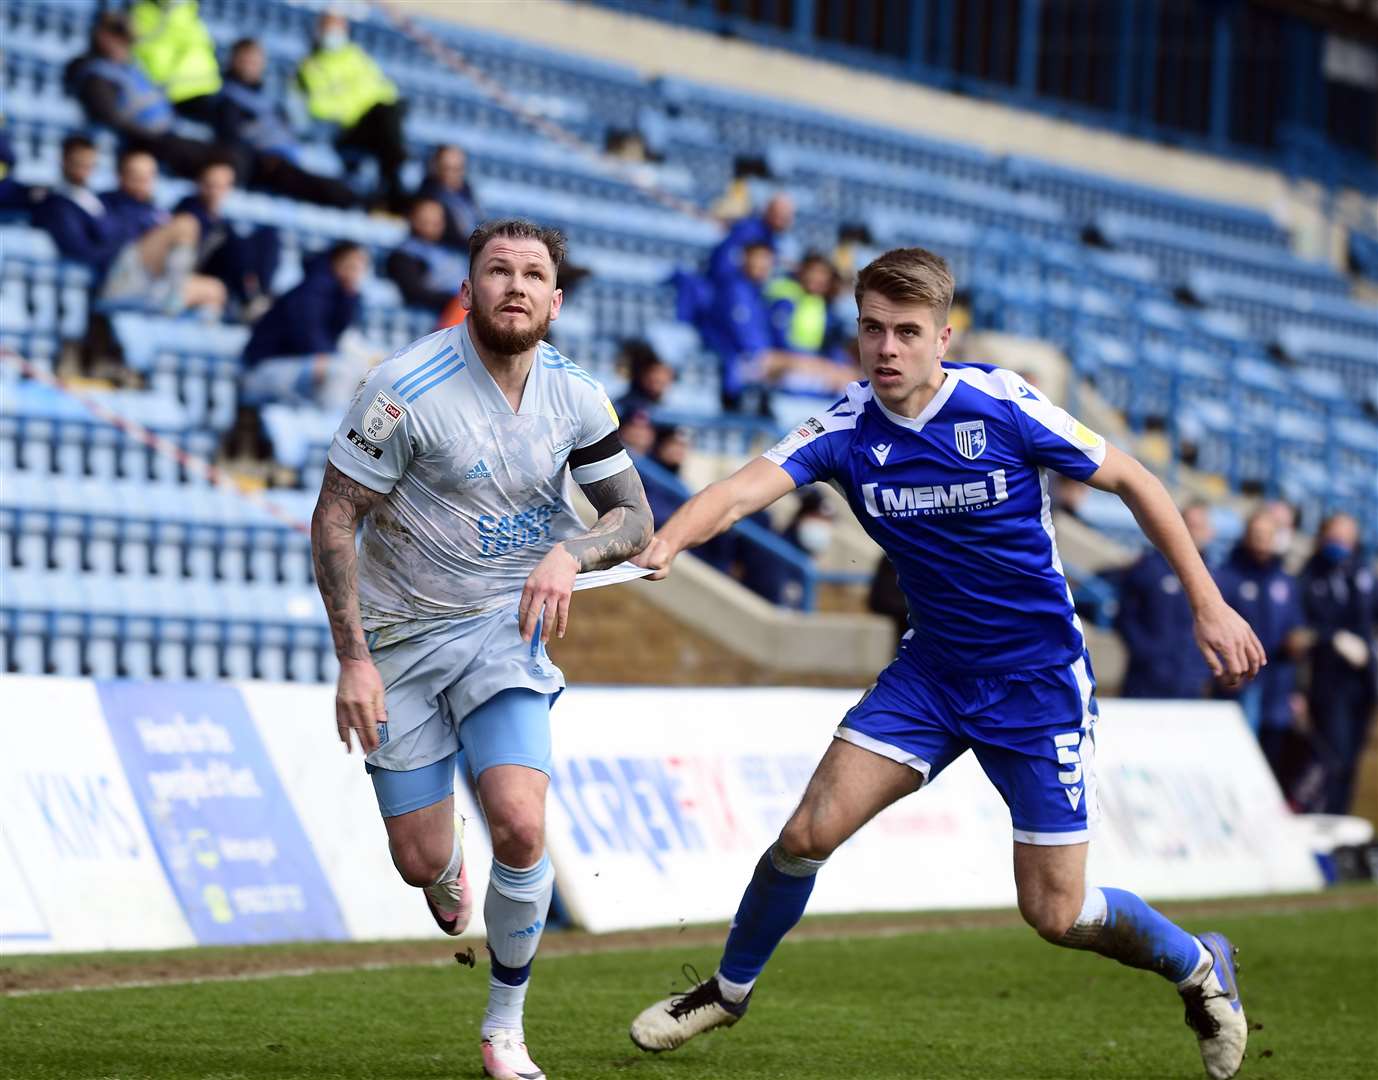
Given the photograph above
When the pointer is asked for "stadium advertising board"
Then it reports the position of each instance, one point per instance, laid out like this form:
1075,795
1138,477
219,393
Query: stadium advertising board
78,868
229,839
661,802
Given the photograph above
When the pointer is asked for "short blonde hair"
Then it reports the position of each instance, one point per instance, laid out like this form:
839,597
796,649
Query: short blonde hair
910,276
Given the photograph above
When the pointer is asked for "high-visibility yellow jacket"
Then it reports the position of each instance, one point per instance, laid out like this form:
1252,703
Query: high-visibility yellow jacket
174,48
342,84
808,314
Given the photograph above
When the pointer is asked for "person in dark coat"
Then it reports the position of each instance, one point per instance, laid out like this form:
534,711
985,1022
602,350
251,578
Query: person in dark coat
1341,606
1254,583
649,378
765,228
447,182
292,355
117,94
248,116
244,263
1156,623
427,273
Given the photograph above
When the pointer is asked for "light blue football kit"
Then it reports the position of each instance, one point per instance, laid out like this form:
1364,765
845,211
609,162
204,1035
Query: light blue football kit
994,661
475,495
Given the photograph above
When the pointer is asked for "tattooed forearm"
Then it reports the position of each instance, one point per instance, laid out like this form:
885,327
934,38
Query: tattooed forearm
339,509
624,522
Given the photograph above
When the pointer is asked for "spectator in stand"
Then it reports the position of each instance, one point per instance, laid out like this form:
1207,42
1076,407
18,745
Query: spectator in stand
636,431
344,86
244,264
669,449
447,182
16,200
247,116
1156,622
1254,583
799,305
138,254
810,531
766,228
293,355
426,271
116,93
887,598
175,50
1341,608
740,330
649,378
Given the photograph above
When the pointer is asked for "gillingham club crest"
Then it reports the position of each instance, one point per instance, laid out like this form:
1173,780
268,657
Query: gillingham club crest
971,438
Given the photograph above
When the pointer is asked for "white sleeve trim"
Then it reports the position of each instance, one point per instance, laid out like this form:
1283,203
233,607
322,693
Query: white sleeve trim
601,470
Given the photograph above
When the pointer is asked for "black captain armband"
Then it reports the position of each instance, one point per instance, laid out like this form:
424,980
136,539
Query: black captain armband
608,446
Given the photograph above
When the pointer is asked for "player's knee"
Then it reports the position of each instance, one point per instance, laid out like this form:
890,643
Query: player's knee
518,841
420,864
805,839
1050,916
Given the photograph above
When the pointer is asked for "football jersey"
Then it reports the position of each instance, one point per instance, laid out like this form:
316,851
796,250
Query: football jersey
958,499
476,494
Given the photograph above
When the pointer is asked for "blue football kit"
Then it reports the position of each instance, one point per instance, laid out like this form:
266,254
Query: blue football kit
994,660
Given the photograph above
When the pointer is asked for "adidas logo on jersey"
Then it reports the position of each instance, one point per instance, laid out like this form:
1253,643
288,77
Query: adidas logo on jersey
480,471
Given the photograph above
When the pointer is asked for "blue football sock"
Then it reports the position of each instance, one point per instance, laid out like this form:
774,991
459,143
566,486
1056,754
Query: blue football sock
1120,925
771,905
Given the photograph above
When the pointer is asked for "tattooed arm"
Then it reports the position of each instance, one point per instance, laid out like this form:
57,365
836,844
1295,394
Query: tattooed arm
342,504
623,528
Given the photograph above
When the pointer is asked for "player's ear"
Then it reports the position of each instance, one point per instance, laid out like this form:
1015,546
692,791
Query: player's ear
466,295
944,339
556,299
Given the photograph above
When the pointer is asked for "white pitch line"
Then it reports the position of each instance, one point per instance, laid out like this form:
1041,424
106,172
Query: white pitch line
1282,907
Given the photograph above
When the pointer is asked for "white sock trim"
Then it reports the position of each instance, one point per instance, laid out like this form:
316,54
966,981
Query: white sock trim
1204,966
793,865
1094,909
731,991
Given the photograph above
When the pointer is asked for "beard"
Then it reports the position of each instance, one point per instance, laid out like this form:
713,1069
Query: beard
505,341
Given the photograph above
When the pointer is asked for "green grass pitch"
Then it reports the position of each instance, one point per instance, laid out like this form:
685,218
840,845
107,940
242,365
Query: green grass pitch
989,1003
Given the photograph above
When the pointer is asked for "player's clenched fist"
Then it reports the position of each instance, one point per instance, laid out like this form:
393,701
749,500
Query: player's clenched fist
359,704
547,594
1231,648
657,556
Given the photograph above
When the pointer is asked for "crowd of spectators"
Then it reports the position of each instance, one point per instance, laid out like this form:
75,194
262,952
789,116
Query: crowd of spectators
1312,705
151,75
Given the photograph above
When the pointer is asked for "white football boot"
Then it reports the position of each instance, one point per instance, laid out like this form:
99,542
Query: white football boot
1215,1012
451,902
671,1023
505,1057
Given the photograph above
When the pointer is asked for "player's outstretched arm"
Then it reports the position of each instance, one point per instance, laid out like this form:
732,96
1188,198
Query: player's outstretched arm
714,510
623,528
1229,645
342,504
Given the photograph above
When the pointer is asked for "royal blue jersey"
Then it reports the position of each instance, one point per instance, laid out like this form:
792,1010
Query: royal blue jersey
958,499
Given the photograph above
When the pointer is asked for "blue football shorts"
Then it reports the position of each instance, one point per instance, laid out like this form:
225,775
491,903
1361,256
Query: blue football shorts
1033,733
468,685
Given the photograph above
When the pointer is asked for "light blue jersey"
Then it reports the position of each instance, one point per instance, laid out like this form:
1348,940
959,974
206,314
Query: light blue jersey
958,500
476,494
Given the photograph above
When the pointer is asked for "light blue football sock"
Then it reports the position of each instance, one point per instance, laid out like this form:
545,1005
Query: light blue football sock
515,912
1120,925
772,904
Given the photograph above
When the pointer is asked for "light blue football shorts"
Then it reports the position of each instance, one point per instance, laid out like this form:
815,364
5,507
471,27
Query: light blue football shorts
470,684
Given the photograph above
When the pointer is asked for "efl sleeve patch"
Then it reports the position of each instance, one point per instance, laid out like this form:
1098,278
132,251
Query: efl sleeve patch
1080,434
381,418
612,413
809,429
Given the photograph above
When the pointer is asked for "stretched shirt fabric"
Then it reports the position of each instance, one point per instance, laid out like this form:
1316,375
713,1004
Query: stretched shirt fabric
476,493
958,499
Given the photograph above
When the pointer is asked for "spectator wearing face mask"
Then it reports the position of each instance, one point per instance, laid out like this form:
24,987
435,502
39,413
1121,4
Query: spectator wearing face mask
346,87
1341,608
1254,583
810,531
